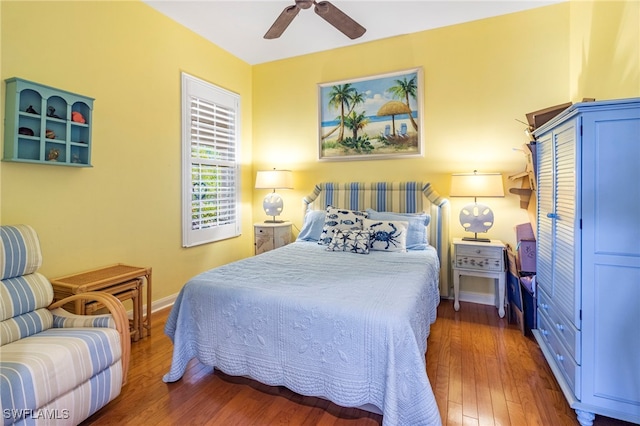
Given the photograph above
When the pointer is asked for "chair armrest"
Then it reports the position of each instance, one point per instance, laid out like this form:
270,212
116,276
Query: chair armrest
66,319
119,314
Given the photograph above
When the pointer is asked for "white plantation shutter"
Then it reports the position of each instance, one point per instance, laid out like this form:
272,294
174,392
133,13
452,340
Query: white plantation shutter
210,192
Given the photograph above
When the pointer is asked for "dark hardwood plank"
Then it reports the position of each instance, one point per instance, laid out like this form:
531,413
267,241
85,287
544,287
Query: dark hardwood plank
483,372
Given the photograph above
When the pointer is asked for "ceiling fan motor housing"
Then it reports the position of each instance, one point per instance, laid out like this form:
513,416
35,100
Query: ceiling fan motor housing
304,4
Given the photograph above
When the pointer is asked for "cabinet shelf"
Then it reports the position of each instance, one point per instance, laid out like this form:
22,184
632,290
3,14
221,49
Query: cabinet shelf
41,126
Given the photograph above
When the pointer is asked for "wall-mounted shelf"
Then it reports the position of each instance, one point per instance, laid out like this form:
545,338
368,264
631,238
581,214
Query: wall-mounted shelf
46,125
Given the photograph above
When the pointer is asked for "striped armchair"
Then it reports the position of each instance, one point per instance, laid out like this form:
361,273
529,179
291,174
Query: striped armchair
55,367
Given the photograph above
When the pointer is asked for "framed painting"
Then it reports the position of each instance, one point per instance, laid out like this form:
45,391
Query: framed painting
369,118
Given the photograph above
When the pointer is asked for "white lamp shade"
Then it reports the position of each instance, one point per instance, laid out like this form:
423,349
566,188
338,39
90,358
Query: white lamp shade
274,179
476,185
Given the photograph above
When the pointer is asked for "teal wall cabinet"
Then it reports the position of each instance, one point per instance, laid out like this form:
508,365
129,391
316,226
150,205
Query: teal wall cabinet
45,125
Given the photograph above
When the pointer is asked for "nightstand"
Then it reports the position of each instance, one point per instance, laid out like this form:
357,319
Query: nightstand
479,259
269,236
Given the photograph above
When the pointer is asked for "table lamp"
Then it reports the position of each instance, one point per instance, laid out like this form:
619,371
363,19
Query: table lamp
273,179
476,217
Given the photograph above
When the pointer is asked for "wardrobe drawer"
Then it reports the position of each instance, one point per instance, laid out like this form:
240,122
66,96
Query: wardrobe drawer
565,330
562,358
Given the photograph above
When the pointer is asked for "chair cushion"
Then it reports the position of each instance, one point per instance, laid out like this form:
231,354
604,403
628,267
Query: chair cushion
24,294
19,251
37,369
25,325
23,302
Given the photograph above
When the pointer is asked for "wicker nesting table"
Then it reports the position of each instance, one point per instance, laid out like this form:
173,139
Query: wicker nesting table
123,281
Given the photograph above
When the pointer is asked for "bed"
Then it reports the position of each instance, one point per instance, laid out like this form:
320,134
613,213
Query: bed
323,318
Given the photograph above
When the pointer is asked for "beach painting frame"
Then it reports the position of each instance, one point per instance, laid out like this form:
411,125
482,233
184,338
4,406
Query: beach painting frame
371,118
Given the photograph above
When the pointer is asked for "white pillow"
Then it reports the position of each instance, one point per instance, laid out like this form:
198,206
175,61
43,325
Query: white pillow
387,235
340,219
417,230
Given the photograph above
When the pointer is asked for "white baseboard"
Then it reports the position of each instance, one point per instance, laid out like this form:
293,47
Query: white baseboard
480,298
157,305
163,303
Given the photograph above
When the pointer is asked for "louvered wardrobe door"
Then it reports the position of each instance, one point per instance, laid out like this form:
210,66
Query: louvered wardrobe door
566,256
546,185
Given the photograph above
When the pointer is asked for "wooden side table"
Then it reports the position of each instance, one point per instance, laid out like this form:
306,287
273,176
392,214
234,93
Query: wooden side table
479,259
123,281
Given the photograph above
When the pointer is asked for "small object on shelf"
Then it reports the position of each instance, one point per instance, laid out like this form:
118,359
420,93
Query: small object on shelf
25,131
50,134
53,154
31,110
77,117
52,112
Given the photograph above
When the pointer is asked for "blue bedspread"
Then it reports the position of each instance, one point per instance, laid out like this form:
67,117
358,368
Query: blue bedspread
350,328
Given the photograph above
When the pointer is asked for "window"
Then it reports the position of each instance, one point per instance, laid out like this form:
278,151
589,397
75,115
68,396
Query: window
210,164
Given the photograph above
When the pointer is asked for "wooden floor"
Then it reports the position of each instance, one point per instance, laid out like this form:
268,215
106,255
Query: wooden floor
482,370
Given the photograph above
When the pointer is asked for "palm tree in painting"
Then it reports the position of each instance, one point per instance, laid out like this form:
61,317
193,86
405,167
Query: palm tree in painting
356,122
402,90
340,98
352,98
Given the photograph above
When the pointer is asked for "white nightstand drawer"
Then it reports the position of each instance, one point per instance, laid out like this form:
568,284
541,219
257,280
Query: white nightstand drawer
479,251
479,263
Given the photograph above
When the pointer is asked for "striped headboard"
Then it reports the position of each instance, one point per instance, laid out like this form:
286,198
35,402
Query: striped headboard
400,197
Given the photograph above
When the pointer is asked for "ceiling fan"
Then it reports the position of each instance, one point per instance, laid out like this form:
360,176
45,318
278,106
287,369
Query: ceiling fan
326,10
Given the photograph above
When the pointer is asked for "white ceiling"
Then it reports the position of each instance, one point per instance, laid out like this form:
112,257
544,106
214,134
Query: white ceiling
238,26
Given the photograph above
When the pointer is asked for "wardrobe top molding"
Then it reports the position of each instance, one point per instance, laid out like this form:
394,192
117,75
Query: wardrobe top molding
582,107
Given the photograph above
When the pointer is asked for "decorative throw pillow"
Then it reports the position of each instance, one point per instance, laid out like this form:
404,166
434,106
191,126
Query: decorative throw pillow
387,235
351,241
340,219
417,230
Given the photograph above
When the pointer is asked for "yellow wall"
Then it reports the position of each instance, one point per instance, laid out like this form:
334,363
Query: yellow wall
127,207
479,78
605,49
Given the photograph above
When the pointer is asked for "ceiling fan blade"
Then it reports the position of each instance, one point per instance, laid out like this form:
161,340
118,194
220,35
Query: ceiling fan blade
339,19
282,22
